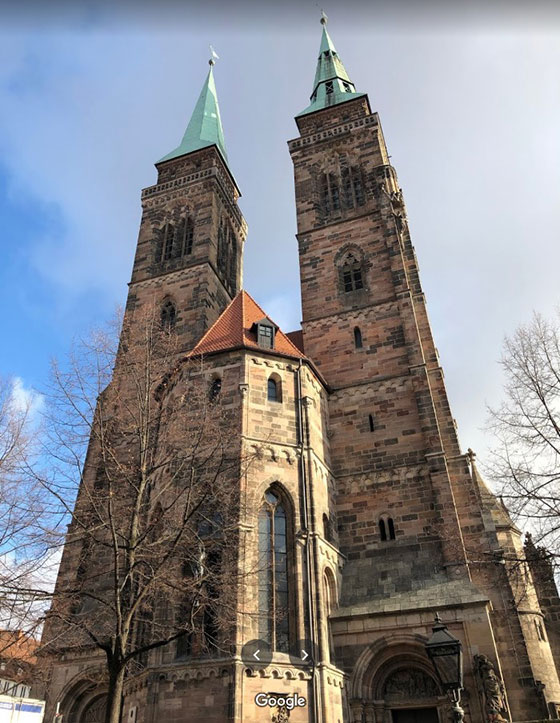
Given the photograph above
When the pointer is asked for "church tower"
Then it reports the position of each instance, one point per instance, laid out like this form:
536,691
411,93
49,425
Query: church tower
190,246
358,518
418,528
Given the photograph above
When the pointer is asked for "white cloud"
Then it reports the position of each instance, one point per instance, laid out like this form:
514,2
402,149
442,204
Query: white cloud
26,400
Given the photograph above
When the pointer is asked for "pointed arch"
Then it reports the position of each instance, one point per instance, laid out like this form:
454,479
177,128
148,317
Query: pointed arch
275,555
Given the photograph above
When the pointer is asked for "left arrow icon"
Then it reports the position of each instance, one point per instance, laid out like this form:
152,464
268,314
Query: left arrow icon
256,655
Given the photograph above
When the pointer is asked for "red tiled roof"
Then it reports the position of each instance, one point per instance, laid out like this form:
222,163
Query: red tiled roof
16,645
296,337
233,330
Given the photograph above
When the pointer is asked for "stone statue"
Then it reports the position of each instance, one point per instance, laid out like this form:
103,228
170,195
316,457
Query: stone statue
494,695
281,715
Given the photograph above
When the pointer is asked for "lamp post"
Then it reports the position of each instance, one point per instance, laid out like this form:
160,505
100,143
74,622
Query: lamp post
446,655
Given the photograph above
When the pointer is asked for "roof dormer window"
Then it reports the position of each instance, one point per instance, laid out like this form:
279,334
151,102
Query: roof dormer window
264,331
265,335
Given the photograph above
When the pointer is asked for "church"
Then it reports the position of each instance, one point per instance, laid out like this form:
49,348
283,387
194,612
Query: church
374,518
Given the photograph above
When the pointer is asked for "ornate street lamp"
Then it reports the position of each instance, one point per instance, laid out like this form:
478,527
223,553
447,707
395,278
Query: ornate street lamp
446,655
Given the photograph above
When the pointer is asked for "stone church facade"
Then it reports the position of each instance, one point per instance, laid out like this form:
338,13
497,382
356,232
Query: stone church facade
385,520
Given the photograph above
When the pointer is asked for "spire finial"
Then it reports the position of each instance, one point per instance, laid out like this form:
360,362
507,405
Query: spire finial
324,17
213,56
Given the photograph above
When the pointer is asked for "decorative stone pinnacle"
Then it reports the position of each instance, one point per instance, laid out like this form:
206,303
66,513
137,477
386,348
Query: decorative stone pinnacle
471,455
324,17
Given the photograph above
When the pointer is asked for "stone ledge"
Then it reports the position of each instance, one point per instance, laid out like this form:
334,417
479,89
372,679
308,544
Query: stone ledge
438,596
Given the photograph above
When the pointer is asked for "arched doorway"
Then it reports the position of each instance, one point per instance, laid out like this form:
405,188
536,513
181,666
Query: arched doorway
410,695
94,712
393,682
84,699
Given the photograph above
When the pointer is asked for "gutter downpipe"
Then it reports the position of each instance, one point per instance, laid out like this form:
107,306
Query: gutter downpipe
303,437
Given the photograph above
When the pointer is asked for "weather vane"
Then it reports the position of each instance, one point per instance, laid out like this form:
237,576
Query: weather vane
324,17
213,56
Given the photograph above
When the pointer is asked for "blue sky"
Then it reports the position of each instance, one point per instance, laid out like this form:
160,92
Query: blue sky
92,95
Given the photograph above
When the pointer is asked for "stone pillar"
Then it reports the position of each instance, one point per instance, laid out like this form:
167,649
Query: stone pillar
357,708
369,713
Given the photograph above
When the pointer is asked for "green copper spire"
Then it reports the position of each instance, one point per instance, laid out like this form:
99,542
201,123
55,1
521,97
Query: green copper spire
205,125
332,84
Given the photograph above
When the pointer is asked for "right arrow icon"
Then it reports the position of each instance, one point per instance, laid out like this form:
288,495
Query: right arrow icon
304,655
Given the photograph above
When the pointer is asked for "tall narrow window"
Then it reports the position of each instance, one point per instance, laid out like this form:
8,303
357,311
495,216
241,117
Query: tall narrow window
358,338
325,193
382,531
347,188
189,236
330,193
222,247
168,242
335,195
386,529
168,315
273,573
272,390
371,423
358,186
232,260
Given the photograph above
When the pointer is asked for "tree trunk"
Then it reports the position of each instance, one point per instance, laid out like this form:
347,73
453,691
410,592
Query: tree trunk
115,693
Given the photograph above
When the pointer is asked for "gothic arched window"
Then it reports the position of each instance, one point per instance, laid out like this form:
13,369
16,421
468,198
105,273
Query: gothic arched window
351,274
168,315
273,599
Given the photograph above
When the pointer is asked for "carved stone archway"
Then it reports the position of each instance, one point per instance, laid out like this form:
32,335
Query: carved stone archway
94,712
83,699
392,676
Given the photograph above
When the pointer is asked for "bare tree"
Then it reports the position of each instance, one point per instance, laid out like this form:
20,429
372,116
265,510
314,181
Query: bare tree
24,546
526,461
144,443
